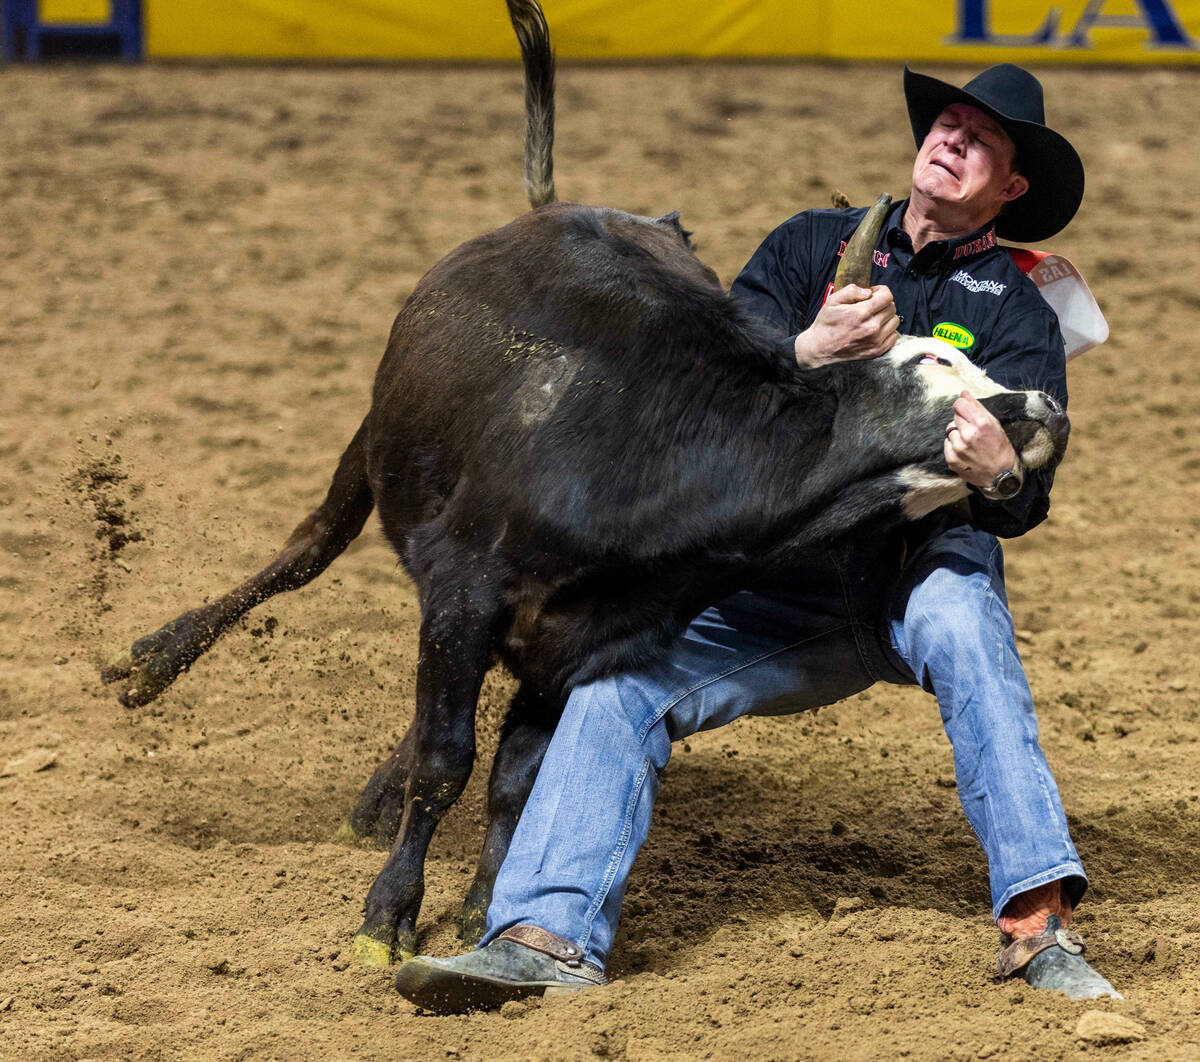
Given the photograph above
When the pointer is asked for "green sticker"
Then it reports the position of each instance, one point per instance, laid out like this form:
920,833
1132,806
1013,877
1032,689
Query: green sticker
954,334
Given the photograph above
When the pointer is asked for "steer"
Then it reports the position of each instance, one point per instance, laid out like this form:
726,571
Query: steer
576,442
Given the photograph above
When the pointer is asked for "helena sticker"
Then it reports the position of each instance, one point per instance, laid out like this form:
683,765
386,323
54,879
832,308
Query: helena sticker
954,334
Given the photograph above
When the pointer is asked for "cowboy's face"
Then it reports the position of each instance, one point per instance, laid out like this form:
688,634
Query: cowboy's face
966,162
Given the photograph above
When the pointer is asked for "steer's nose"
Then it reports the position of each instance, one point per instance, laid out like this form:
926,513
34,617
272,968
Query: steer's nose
1055,421
1051,413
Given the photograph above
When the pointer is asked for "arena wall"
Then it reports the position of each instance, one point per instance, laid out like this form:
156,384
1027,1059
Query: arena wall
974,31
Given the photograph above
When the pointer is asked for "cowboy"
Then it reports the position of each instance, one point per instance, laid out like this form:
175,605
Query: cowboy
925,605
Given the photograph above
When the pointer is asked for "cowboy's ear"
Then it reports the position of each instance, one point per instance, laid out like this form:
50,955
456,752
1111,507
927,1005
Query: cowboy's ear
1015,188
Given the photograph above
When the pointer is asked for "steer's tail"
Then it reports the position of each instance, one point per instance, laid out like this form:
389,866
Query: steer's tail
538,59
152,663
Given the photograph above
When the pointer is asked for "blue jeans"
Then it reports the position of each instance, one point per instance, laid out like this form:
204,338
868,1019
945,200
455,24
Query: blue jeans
943,621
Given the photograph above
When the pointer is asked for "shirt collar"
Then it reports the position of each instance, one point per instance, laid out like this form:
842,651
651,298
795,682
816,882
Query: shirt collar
939,254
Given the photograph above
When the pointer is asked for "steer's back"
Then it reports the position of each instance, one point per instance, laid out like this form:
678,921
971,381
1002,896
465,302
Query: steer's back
539,379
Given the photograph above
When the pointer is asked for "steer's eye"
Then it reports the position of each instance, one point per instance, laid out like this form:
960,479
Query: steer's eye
932,359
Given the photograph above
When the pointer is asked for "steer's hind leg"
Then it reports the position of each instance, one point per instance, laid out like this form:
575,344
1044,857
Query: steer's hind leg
456,643
523,740
376,813
153,662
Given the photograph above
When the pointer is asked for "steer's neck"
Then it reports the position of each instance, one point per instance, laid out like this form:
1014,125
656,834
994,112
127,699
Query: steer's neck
793,447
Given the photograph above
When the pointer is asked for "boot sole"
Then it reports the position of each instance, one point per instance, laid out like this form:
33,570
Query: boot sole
446,992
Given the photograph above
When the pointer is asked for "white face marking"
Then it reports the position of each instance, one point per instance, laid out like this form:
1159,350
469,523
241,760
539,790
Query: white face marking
945,372
943,381
926,491
1038,451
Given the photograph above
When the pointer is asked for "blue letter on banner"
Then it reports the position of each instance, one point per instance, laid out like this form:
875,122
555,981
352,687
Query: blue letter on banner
1157,18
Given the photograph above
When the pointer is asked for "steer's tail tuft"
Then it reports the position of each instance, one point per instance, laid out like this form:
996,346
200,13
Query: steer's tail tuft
538,58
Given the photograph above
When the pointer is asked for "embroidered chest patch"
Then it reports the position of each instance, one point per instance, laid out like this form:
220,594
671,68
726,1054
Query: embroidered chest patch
954,334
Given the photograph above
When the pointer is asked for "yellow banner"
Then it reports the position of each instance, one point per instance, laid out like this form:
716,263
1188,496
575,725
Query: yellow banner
74,11
975,31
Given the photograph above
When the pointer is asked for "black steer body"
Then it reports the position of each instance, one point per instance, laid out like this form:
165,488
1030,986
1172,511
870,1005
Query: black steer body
576,442
601,457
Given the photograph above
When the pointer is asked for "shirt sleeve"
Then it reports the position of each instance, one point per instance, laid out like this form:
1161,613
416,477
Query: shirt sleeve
775,285
1030,356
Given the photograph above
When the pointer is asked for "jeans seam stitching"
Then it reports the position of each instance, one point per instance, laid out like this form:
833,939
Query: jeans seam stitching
614,862
672,701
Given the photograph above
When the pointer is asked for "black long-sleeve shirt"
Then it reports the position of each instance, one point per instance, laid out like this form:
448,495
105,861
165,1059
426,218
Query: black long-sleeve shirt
967,291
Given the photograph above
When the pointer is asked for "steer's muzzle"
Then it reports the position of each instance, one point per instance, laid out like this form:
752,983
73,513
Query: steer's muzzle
1035,424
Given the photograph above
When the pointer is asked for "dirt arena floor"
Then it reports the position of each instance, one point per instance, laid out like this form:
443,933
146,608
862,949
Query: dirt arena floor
200,267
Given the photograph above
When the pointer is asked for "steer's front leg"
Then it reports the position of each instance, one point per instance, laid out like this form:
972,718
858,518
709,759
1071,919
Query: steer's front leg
454,656
523,741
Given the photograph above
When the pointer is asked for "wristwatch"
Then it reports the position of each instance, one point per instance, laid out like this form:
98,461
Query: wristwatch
1006,485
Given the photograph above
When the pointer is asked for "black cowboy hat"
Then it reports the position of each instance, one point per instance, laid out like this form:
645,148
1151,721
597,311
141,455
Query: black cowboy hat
1012,98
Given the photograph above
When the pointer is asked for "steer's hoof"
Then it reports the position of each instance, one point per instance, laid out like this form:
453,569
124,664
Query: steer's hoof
472,923
371,952
142,676
376,820
117,666
345,835
156,660
383,948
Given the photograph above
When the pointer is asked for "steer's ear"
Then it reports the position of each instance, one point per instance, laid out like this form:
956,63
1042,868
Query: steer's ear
671,221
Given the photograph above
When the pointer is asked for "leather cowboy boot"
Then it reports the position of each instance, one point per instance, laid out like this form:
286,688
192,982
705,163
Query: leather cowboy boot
521,961
1054,959
1039,948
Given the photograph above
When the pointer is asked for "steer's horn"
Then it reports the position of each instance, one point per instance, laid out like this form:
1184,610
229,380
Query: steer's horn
855,266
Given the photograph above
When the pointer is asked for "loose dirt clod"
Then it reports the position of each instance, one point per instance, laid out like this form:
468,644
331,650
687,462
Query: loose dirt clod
1101,1027
102,486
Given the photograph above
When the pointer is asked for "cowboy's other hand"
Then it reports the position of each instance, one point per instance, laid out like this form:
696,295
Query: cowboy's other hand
854,323
976,447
